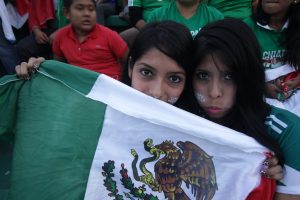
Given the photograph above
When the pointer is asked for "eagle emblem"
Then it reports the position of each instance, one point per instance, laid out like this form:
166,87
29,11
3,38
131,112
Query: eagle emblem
174,165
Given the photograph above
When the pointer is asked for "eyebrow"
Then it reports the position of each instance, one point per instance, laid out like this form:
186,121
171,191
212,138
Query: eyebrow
146,65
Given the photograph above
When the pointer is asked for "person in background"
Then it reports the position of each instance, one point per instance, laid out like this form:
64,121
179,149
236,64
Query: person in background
239,9
276,26
86,44
194,14
8,53
105,8
139,12
41,23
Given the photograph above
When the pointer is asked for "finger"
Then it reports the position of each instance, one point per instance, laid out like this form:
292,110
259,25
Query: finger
38,61
23,72
45,37
290,84
18,70
273,161
275,172
31,63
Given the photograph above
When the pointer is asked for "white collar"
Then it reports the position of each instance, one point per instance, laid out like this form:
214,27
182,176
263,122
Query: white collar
272,29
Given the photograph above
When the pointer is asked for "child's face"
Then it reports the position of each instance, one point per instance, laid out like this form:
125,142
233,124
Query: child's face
214,88
159,76
276,7
82,15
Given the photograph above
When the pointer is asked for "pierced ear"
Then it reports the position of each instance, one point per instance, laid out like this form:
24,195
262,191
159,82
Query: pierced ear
295,1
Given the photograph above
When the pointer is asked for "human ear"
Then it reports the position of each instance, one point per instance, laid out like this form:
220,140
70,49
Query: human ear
66,13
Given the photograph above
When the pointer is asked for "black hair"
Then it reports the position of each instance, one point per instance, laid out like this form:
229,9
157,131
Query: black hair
233,42
292,34
169,37
68,3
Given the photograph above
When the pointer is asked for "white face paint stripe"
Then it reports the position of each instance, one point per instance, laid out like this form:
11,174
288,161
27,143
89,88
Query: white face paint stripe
200,97
172,100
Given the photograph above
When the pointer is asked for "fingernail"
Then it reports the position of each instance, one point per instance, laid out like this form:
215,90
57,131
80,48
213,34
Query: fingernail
286,88
35,66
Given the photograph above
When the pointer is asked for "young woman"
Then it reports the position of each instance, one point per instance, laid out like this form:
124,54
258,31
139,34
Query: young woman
276,26
228,84
159,65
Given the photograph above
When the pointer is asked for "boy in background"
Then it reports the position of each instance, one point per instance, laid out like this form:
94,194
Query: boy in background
86,44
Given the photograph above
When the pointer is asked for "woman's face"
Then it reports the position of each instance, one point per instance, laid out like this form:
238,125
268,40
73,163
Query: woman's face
159,76
276,7
214,88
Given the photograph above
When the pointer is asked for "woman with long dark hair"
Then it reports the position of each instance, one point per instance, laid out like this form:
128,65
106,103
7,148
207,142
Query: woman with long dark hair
228,85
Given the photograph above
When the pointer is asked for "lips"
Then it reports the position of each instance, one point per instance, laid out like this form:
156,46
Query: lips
86,22
214,110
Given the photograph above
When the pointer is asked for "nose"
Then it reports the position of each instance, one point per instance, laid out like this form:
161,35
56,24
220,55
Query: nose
86,12
215,89
156,90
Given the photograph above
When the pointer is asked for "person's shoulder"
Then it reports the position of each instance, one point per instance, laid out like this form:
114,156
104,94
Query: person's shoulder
104,30
159,13
283,119
64,30
212,10
164,8
250,21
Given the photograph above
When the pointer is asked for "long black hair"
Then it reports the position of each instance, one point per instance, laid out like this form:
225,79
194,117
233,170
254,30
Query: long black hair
233,42
169,37
292,34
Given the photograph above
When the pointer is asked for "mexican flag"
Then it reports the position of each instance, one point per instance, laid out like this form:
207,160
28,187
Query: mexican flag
81,135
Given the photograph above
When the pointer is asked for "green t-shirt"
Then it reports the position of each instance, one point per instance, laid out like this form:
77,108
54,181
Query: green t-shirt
61,19
204,15
147,5
270,42
239,9
284,127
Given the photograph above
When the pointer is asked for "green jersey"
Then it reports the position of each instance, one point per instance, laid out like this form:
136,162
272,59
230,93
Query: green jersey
239,9
147,5
284,127
204,15
270,42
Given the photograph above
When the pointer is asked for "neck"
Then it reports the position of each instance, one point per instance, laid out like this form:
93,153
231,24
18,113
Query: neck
81,35
277,21
188,10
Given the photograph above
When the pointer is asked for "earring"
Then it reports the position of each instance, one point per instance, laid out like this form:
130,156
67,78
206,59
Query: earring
295,1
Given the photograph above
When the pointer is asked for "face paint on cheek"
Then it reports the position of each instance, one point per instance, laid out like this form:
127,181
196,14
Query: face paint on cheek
172,100
200,97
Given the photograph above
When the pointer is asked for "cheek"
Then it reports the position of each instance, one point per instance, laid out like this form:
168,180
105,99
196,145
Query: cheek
138,84
200,97
174,94
231,96
200,92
